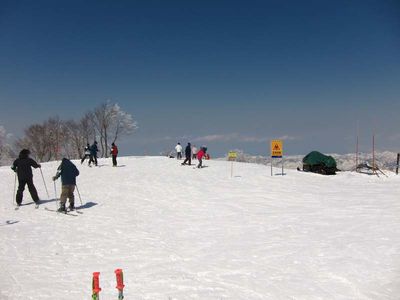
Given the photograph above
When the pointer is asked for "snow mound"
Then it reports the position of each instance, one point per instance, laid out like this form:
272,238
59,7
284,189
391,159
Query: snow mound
184,233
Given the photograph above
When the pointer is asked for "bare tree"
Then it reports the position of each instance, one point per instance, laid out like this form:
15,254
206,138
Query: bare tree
3,135
55,138
122,123
6,151
112,122
76,139
35,139
102,118
87,127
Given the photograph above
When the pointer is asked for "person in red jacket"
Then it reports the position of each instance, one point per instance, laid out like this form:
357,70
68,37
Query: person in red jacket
200,156
114,153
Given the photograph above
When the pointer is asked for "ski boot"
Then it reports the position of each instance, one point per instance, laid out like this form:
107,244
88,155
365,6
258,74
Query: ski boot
62,209
37,204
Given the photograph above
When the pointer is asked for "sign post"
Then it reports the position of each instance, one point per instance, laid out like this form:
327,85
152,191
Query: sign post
276,152
232,156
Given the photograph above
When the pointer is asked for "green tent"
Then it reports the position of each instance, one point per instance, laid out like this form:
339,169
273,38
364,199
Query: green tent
319,163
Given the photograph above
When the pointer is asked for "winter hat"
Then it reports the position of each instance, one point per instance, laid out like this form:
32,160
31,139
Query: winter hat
24,153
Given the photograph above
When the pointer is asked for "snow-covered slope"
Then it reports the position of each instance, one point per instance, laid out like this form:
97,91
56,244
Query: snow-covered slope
183,233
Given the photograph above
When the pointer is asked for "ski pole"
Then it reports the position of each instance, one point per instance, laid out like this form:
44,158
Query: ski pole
15,186
44,182
55,193
79,194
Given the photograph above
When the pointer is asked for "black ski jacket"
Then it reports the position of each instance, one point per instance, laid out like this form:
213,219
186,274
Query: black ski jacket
188,151
23,166
94,150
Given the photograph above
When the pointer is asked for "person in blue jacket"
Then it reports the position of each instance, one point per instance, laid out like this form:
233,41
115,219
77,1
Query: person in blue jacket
68,172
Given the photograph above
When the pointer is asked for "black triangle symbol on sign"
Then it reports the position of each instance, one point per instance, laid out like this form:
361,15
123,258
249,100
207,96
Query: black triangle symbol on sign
276,147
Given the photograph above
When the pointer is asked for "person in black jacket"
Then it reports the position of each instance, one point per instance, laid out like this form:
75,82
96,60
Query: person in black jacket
188,155
93,154
23,166
68,172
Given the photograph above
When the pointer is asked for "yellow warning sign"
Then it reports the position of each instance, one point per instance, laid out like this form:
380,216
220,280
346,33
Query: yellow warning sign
276,148
232,155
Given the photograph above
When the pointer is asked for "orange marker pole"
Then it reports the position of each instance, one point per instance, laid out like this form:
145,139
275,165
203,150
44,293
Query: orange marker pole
120,283
96,286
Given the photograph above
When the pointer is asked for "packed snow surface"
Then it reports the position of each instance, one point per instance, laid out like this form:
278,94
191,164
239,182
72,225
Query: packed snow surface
184,233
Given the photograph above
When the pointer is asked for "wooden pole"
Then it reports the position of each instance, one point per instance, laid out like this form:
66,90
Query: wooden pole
398,162
373,152
357,154
357,149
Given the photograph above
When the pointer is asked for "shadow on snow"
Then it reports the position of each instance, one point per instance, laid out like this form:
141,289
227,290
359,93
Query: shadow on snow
87,205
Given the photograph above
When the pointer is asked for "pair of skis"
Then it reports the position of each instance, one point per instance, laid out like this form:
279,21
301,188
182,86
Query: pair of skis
96,284
67,212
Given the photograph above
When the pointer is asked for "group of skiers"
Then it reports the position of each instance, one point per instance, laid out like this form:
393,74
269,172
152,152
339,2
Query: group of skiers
91,153
68,172
191,152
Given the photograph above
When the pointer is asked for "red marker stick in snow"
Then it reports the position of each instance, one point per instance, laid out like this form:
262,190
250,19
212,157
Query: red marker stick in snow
96,286
120,283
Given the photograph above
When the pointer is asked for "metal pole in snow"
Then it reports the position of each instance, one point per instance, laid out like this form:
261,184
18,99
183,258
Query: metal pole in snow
15,186
55,194
79,194
271,164
44,182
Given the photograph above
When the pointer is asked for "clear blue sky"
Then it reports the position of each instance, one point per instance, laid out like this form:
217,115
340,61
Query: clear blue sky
229,74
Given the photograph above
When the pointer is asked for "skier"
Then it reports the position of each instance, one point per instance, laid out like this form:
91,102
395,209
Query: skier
188,155
23,166
194,152
68,172
93,154
200,156
114,153
178,149
86,154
